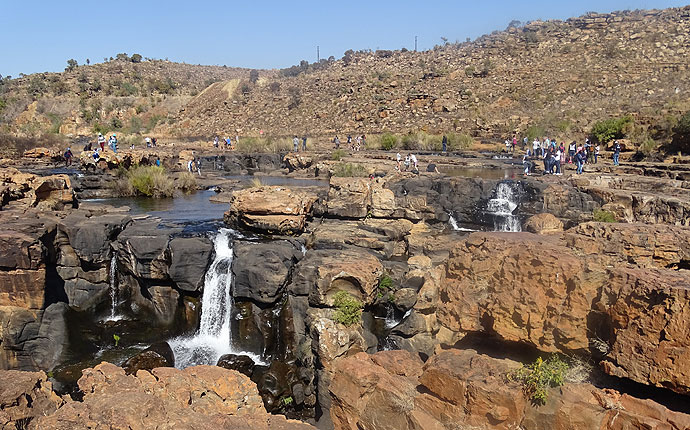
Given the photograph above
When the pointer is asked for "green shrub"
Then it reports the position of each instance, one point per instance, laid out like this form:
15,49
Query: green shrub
187,182
601,215
539,376
612,128
337,155
264,144
385,285
348,309
150,181
349,170
388,141
681,135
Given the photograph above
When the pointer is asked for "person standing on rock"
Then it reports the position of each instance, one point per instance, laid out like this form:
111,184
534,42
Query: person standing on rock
349,141
304,143
336,142
413,159
616,153
113,142
398,159
68,157
580,160
444,143
526,163
596,153
215,142
295,143
101,141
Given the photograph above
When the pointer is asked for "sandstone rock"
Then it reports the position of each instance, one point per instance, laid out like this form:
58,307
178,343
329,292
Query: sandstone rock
25,396
297,161
349,197
40,152
196,398
543,224
270,209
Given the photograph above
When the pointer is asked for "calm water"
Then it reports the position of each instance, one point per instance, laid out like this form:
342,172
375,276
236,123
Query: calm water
183,208
280,181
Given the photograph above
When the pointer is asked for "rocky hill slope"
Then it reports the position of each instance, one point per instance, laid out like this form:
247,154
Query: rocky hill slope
557,77
127,94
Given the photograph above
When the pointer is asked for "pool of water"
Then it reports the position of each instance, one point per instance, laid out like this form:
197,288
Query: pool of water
186,208
482,173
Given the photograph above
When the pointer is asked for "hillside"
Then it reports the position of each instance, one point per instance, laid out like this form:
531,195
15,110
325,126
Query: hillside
125,94
557,77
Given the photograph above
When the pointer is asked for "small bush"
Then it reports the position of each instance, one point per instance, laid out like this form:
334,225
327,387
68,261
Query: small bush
150,181
385,285
337,155
613,128
255,183
388,141
187,182
264,144
601,215
539,376
350,170
348,309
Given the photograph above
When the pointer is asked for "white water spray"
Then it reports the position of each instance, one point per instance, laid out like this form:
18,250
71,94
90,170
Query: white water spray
502,207
454,224
214,337
113,290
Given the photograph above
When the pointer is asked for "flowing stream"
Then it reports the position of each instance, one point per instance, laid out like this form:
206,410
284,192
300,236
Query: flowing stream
502,206
113,291
214,337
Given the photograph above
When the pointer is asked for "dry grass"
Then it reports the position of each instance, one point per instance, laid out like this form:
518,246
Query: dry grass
273,145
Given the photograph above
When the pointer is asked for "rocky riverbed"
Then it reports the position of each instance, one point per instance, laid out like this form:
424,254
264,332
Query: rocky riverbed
462,277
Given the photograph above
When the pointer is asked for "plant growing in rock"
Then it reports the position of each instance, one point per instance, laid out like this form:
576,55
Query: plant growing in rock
337,155
385,285
187,182
348,309
601,215
349,170
612,128
538,377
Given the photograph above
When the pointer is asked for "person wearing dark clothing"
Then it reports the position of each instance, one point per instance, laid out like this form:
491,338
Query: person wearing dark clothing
431,167
68,157
304,143
580,160
616,152
444,142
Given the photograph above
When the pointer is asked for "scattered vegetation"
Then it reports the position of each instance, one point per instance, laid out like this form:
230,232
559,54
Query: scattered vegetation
116,338
681,135
255,183
385,285
149,181
348,309
388,141
538,377
264,144
613,128
337,155
187,182
601,215
349,170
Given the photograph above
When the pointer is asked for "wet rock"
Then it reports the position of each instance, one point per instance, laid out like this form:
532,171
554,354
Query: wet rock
241,363
543,224
166,302
157,355
262,269
189,259
142,249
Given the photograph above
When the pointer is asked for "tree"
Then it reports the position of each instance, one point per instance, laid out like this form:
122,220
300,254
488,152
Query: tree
71,64
681,134
136,58
253,76
612,128
122,56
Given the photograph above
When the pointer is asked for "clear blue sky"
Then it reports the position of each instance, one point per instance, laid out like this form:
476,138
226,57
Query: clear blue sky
42,36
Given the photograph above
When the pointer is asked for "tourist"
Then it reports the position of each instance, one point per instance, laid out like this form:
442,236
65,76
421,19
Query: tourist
112,142
304,143
444,143
526,162
237,139
336,141
588,150
557,161
431,168
413,159
571,152
190,165
349,141
506,143
407,162
295,143
398,159
580,160
101,141
535,147
215,142
364,141
96,156
228,142
148,142
596,153
616,152
198,165
68,157
158,161
358,143
154,142
88,147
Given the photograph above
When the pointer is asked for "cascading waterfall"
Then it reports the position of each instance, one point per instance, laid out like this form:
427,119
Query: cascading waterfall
501,208
214,337
113,290
454,224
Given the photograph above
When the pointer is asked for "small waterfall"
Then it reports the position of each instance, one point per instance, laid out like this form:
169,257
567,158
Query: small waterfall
214,337
303,249
454,224
113,290
502,206
390,317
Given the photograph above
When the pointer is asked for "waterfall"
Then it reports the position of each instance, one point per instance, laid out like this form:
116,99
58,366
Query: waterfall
454,224
390,317
214,337
113,290
501,208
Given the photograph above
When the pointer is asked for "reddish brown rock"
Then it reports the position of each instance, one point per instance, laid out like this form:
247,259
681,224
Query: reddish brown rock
25,396
270,209
543,223
349,197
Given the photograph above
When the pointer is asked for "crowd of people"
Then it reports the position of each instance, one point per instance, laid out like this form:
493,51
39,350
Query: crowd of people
555,156
228,144
355,144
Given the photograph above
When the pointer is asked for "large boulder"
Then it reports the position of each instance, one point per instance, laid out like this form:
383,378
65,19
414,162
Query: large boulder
544,223
189,259
198,397
465,389
262,269
157,355
349,197
270,209
25,396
